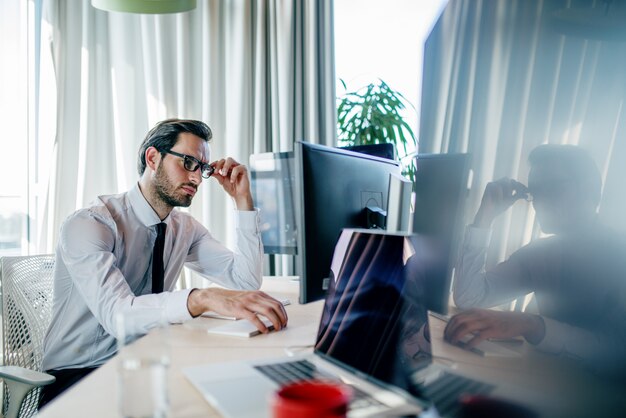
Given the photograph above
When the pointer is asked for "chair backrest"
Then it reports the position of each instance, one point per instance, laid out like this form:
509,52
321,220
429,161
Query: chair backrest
26,287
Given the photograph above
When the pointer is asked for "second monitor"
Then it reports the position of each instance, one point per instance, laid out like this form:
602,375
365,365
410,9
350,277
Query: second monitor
441,189
306,200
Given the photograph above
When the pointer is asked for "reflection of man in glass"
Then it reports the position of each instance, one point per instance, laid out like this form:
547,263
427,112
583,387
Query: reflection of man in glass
577,274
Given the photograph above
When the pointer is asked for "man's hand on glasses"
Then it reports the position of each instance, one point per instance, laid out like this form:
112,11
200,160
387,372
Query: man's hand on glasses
233,177
498,197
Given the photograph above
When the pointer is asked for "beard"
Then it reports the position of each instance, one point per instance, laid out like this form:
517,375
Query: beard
168,193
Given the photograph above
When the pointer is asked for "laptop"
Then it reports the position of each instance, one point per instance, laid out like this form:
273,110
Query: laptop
372,336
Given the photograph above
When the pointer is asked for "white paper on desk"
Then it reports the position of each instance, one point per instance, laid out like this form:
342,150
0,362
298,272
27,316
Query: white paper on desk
215,315
240,328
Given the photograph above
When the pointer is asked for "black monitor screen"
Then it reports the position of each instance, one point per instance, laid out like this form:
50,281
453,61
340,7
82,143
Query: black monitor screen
441,187
334,189
374,317
385,150
272,176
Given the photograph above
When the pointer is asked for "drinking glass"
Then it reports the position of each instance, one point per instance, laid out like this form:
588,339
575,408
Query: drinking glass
143,364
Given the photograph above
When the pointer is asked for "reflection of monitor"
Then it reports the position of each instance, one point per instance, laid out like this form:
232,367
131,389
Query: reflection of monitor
441,183
333,188
272,177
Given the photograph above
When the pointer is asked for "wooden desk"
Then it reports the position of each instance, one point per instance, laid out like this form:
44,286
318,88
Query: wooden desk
557,387
96,395
552,385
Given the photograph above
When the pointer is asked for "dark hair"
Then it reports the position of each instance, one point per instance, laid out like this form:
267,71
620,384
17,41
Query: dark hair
576,164
164,136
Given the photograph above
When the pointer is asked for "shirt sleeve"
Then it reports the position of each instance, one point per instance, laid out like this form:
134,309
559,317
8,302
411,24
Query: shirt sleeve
86,246
601,350
476,287
238,269
591,348
561,338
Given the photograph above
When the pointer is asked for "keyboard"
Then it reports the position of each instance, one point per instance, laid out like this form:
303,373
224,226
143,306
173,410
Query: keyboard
295,371
447,389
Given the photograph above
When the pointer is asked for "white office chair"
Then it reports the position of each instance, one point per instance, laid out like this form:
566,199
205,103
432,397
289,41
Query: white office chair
26,287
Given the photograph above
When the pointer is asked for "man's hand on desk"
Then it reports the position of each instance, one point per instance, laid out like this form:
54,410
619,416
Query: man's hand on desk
239,303
485,324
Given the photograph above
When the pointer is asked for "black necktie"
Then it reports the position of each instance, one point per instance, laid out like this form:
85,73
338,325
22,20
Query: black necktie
157,259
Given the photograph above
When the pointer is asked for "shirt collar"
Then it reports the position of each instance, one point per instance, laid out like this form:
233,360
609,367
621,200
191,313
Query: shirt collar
142,208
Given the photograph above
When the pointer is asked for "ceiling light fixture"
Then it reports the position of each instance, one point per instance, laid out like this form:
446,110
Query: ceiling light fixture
145,6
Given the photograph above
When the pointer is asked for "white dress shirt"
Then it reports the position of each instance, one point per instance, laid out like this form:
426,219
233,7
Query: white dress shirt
103,267
576,280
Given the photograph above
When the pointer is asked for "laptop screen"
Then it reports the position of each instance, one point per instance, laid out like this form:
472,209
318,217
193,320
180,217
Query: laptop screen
374,320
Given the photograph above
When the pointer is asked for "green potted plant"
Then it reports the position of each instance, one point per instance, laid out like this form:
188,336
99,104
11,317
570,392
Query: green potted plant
371,115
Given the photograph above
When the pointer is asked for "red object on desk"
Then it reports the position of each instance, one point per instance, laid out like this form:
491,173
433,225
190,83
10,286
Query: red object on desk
311,399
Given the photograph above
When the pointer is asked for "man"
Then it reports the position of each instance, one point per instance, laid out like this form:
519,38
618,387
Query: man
105,264
577,274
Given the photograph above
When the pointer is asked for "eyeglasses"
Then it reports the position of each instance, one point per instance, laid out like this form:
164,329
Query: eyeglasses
551,190
192,164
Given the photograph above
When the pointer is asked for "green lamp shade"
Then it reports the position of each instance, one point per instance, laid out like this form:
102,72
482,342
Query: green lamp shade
145,6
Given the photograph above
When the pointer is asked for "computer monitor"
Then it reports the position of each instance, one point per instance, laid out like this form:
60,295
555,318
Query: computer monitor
334,189
385,150
272,178
399,204
441,189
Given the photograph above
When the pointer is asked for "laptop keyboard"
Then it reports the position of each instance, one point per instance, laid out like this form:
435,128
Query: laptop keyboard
448,388
444,392
294,371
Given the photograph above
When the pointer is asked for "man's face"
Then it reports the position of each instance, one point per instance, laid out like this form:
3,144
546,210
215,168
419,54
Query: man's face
555,198
174,185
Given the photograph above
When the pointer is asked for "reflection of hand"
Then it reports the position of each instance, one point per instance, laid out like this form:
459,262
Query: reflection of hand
233,177
498,197
485,323
240,304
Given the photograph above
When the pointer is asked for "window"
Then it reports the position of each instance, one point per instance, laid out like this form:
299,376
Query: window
384,40
18,39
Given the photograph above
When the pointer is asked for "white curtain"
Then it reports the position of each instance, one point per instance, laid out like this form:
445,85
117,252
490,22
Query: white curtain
259,72
503,76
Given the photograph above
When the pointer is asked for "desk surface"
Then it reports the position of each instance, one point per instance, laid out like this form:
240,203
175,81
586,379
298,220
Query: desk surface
533,374
190,345
552,385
